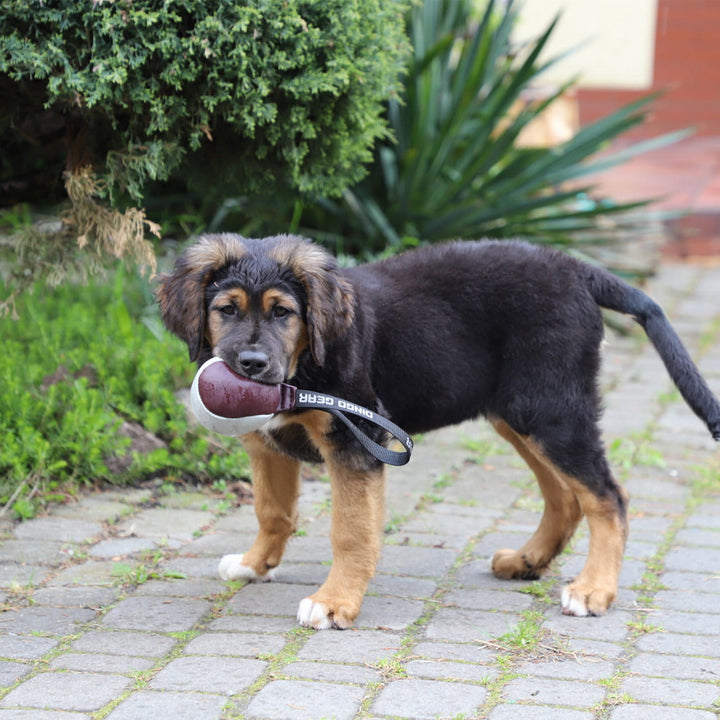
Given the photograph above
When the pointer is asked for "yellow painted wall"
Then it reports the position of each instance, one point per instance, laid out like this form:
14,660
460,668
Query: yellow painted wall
616,40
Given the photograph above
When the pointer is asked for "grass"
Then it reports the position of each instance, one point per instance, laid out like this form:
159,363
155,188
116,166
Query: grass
81,362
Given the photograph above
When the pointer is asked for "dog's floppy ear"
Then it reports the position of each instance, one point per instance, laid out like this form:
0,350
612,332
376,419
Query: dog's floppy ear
181,294
330,297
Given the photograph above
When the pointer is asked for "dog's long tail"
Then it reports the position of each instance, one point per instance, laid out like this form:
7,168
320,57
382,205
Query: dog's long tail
612,293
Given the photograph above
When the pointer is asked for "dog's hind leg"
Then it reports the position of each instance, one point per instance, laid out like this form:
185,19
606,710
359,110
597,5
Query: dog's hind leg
276,487
571,452
560,518
594,589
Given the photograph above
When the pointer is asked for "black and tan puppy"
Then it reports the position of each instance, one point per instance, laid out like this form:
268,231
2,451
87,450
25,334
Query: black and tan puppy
431,337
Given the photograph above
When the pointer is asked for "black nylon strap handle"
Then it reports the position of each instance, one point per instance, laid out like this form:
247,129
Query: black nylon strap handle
338,408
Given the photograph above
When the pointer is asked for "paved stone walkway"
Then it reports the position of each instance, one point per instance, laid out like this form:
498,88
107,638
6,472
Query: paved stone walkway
112,606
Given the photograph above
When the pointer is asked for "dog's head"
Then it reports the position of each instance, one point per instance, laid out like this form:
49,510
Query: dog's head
257,304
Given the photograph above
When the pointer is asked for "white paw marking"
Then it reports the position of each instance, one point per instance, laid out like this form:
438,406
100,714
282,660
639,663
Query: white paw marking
231,568
314,615
573,606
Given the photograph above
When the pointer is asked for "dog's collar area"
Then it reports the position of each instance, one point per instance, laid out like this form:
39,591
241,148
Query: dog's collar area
233,404
341,408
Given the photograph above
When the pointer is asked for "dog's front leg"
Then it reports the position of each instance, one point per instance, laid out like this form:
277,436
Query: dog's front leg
276,487
358,517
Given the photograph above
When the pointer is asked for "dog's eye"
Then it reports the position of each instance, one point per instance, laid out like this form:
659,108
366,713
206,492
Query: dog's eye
227,309
280,312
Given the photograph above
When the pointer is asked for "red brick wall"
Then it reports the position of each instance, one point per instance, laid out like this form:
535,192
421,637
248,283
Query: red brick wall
687,68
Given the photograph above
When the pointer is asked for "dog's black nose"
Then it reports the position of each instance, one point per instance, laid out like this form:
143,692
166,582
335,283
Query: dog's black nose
253,362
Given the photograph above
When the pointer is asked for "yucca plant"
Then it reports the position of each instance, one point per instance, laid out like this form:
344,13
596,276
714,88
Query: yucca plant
454,168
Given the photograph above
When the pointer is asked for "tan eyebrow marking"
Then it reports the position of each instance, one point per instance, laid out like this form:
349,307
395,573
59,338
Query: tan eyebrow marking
271,298
233,296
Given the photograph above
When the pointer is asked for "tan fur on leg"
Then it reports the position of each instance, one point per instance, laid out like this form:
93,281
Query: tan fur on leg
595,587
276,487
358,517
560,518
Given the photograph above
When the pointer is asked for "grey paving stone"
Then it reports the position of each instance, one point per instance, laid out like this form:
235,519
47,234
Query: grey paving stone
404,587
658,712
201,567
416,561
32,552
119,547
444,541
694,536
670,691
101,572
149,645
570,669
640,550
99,663
331,672
12,574
686,622
389,612
166,523
57,529
223,675
200,588
434,521
175,705
675,666
489,599
217,544
705,519
81,692
699,560
100,508
679,644
612,627
19,714
250,645
11,672
594,650
544,691
351,646
253,623
687,601
155,614
695,582
83,596
650,528
428,699
469,508
654,487
477,575
269,598
310,574
537,712
53,621
241,521
460,625
188,500
450,670
308,550
24,647
300,700
455,651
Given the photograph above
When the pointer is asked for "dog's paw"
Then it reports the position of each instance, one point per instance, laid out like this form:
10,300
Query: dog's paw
319,616
512,565
231,568
314,615
583,600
